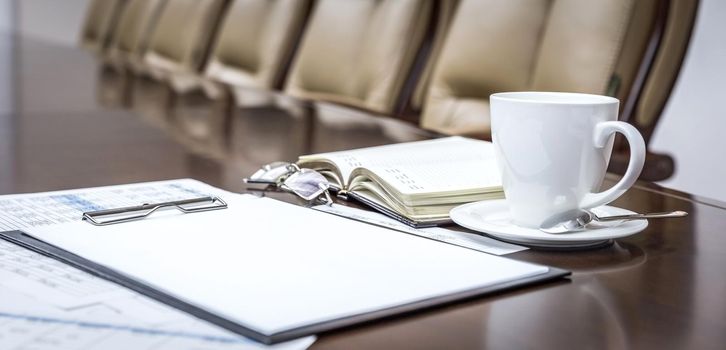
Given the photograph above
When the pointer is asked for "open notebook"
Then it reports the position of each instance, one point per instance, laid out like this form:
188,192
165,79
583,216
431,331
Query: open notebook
415,182
273,271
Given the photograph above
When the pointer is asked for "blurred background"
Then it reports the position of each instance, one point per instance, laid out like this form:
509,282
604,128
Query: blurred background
690,130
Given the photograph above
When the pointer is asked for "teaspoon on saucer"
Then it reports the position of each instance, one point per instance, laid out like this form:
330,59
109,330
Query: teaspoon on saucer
576,220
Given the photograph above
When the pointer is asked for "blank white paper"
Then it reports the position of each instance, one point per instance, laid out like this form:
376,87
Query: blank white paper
273,266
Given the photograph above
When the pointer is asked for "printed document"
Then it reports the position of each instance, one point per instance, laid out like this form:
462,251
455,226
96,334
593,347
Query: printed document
19,211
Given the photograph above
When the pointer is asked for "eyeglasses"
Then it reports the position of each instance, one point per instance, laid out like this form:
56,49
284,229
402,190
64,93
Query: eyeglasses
307,184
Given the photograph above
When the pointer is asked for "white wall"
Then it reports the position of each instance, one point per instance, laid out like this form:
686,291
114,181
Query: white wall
693,126
6,96
6,57
5,15
57,21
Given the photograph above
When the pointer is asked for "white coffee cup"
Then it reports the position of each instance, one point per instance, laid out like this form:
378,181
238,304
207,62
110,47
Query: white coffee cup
553,150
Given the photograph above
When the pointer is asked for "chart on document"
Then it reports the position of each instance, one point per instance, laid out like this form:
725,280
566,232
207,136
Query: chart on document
61,284
46,208
18,331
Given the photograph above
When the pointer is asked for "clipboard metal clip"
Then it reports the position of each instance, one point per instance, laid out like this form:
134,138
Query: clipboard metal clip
138,212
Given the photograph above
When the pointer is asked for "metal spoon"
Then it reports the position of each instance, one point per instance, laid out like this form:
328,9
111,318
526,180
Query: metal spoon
576,220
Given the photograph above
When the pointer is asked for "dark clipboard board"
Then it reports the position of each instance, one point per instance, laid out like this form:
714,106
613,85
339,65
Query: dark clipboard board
26,241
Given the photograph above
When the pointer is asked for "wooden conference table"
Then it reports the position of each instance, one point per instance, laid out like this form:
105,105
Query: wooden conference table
662,288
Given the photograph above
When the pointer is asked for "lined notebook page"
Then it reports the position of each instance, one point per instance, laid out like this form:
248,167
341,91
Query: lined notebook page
442,165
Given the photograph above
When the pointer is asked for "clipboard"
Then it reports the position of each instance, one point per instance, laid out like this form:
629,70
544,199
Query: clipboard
246,310
22,239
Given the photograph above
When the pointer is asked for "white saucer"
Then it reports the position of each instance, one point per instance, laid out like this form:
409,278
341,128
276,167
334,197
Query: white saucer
492,217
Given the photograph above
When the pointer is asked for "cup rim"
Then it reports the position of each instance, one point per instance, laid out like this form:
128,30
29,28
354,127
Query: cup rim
553,98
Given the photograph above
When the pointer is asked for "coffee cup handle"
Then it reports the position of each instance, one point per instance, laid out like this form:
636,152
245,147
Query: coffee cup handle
602,134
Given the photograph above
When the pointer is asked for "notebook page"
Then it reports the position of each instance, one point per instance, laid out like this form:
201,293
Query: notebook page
448,165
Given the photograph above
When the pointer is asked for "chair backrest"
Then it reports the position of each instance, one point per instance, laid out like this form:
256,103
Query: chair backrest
182,37
653,86
99,23
256,41
590,46
359,53
444,17
133,31
666,54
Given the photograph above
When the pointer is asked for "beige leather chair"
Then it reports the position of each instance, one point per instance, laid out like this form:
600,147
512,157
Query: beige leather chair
99,24
124,57
180,44
589,46
253,49
650,92
675,22
133,31
183,36
256,42
413,103
359,53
